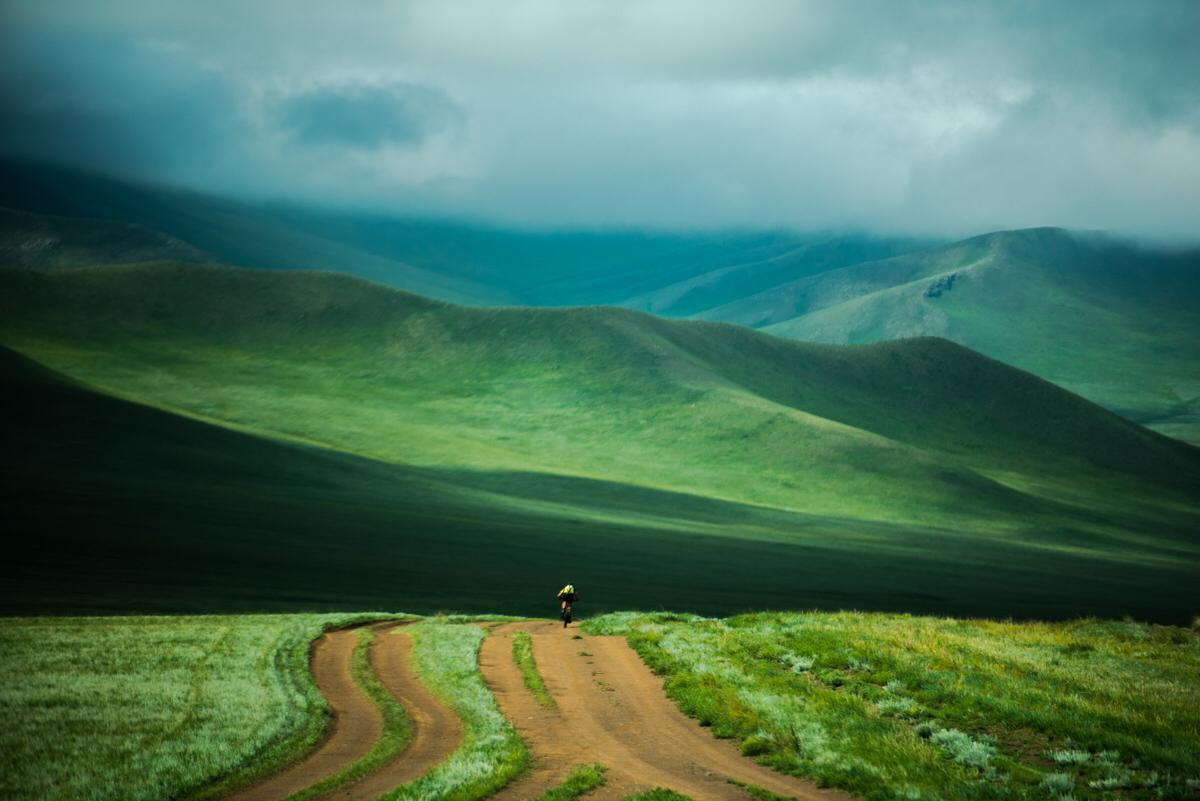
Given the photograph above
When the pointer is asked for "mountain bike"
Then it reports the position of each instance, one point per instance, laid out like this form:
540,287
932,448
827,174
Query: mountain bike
566,614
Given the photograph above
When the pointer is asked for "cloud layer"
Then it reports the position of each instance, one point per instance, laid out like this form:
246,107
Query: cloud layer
930,117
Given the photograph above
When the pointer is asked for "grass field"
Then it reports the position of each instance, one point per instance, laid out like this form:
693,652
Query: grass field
154,707
507,446
900,707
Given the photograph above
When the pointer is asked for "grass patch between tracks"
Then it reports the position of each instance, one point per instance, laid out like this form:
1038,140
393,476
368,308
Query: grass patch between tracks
522,651
901,707
583,779
658,794
397,728
446,657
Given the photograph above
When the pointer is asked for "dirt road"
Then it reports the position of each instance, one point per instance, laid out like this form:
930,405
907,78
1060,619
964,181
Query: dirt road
612,710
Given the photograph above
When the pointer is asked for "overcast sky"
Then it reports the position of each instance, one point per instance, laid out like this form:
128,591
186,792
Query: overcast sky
929,118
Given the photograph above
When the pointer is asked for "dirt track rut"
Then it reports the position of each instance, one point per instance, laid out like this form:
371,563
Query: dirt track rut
612,710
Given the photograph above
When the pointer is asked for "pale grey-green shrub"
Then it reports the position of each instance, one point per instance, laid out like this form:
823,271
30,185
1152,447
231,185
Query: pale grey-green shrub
1059,784
797,663
964,749
898,706
1070,757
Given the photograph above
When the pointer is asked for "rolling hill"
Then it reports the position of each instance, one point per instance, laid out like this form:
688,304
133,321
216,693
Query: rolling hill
948,478
1110,320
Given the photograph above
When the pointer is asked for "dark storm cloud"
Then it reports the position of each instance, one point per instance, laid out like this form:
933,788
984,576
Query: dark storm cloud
368,116
938,117
115,104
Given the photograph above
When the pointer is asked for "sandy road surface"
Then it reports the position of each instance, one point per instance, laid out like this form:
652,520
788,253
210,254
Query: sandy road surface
612,710
357,724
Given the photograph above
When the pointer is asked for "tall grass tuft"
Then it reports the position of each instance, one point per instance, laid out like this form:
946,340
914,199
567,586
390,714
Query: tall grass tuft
583,779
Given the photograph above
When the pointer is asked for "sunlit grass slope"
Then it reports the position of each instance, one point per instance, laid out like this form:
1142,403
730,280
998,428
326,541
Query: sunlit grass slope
114,506
900,707
1114,322
920,453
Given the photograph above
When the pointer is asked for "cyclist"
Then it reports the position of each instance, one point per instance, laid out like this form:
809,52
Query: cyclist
567,596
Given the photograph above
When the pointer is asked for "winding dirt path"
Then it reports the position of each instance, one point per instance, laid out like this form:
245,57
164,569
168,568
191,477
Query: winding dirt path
437,731
357,724
612,710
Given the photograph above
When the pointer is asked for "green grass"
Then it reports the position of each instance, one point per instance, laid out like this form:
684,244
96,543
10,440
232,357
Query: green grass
625,436
581,781
152,707
658,794
446,657
397,728
761,793
890,706
522,651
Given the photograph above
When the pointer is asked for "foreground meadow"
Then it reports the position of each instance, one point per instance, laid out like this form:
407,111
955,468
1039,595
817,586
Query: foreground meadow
884,706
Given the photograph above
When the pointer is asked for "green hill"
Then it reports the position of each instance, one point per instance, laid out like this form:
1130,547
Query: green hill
1112,321
944,469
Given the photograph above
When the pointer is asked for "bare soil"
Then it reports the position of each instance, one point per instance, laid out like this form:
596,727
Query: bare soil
612,710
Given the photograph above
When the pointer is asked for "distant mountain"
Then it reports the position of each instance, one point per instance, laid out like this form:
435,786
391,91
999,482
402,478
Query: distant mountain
48,242
725,285
1116,322
673,273
230,231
